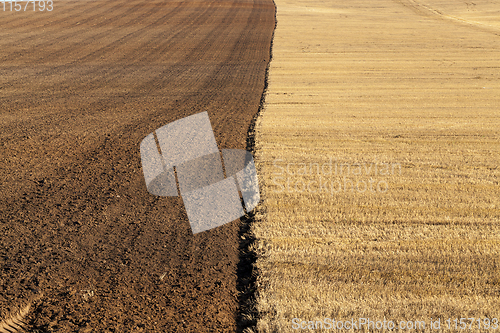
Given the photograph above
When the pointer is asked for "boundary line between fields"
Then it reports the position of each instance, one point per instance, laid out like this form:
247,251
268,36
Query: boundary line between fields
246,270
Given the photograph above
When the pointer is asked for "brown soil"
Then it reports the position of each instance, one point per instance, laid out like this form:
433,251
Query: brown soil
80,87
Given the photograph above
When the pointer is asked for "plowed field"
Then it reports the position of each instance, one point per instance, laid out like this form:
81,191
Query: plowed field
80,87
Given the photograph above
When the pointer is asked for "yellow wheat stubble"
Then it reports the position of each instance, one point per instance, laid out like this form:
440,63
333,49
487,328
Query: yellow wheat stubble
400,103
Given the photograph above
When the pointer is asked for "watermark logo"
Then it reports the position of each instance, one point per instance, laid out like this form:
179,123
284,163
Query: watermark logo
333,177
182,158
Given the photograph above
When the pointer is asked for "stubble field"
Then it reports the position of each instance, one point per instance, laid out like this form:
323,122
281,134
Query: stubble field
378,148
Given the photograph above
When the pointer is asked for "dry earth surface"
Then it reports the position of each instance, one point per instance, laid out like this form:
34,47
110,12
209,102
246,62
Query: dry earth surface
379,151
80,87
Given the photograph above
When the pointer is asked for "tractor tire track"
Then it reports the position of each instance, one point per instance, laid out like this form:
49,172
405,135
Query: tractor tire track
424,9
